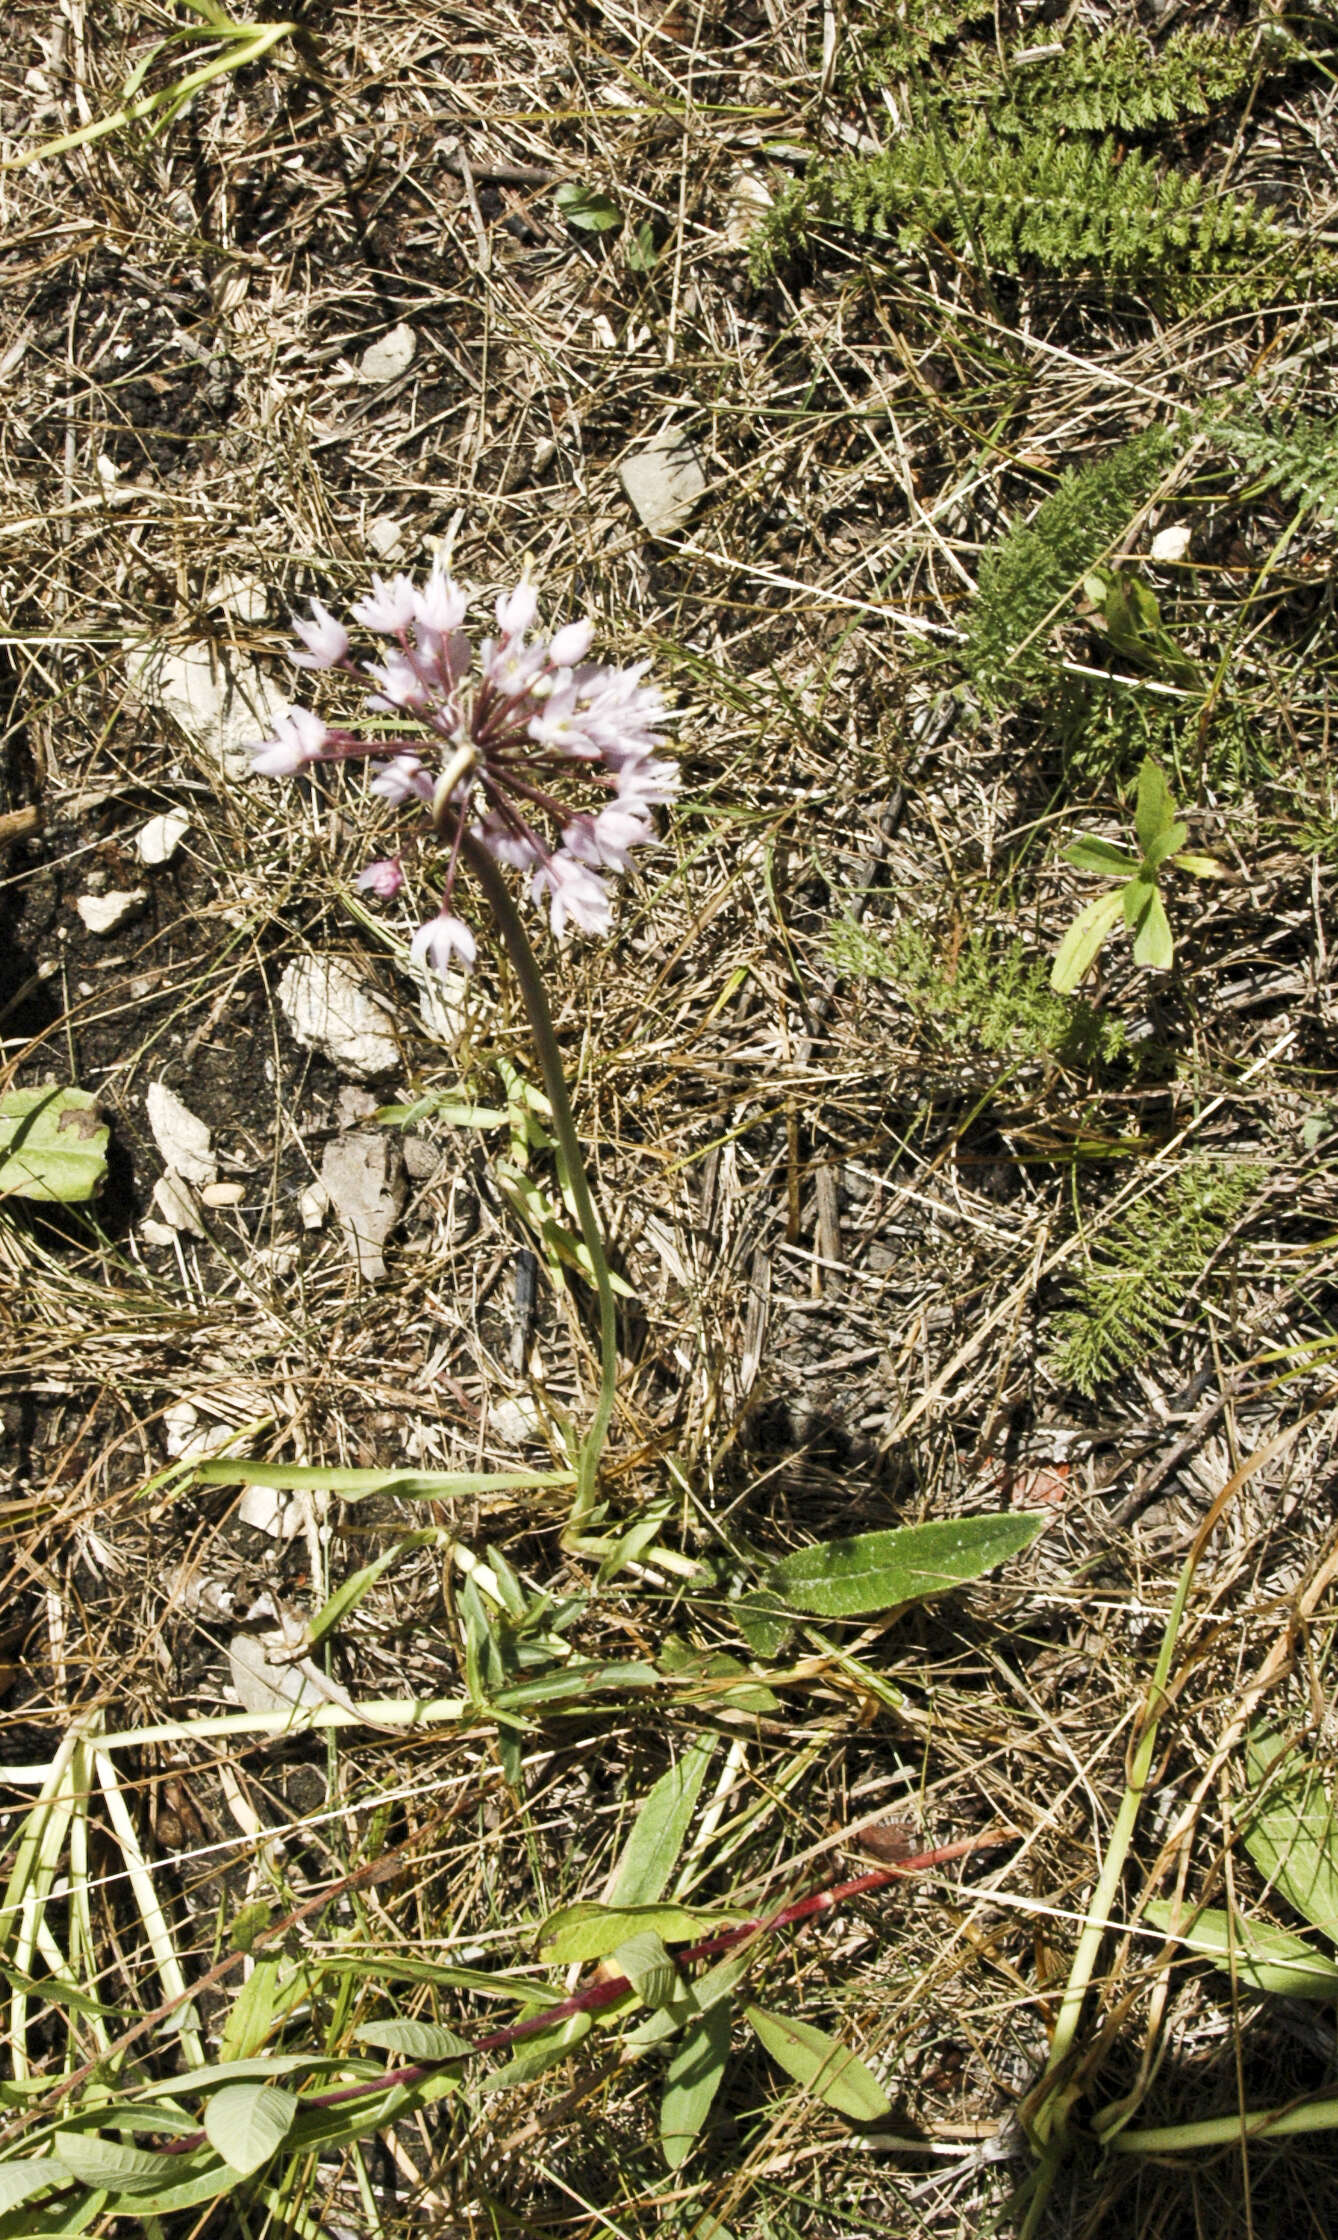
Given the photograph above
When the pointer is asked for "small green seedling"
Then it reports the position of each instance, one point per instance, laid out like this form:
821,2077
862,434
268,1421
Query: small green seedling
1137,898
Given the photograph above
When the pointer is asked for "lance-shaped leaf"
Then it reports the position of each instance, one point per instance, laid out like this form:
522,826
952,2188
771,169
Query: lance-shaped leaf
651,1851
53,1145
1266,1958
645,1961
826,2068
878,1570
247,2123
1154,809
1153,945
1292,1836
1082,944
692,2080
1089,854
110,2167
20,2180
416,2041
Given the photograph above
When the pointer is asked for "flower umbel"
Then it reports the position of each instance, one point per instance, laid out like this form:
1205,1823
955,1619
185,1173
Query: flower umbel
499,739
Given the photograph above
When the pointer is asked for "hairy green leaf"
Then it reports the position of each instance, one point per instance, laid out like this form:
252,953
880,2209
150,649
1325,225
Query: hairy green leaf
651,1851
590,1932
879,1570
1083,943
826,2068
247,2123
111,2167
1292,1834
416,2041
1088,854
1153,946
20,2180
645,1961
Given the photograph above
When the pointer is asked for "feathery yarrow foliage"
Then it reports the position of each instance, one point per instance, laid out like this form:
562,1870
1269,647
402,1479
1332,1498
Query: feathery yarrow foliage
1027,582
1042,204
1111,80
991,996
1299,461
1141,1270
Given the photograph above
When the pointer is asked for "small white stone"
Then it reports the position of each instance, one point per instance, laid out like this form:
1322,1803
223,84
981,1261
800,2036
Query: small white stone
268,1509
330,1008
105,913
158,840
313,1206
664,484
517,1423
157,1232
391,356
184,1141
243,597
353,1105
223,1193
181,1429
176,1205
385,535
748,201
601,329
1172,543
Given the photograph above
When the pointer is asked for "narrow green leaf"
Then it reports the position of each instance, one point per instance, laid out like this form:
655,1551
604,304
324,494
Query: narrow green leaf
1135,895
1268,1959
692,2080
1154,809
641,252
350,1592
416,2041
110,2167
590,1932
1166,844
586,209
1202,867
1082,944
53,1145
879,1570
252,2014
1101,856
1153,946
646,1963
651,1850
20,2180
538,2053
826,2068
356,1485
1292,1836
247,2123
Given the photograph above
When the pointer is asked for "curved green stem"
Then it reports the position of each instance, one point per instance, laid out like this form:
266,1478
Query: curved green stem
525,965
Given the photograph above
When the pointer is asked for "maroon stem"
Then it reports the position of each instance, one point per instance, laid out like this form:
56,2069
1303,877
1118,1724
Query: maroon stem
606,1991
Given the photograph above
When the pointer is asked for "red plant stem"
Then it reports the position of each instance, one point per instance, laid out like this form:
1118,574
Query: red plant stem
606,1991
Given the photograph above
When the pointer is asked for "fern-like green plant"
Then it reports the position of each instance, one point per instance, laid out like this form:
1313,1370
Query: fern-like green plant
991,996
1142,1267
1027,583
1299,459
1113,80
1038,204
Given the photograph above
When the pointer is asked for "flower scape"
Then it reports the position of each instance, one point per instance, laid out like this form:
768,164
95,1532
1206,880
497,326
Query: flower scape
497,738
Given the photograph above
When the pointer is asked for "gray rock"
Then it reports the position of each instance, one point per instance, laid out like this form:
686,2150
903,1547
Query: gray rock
393,355
664,484
223,705
158,840
330,1008
363,1177
107,913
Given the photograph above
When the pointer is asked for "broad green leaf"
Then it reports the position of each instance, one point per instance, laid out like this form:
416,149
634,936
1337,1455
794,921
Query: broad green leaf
417,2041
692,2079
1101,856
645,1962
826,2068
195,2179
879,1570
765,1623
20,2180
247,2123
1153,946
651,1850
1292,1836
252,2014
111,2167
586,209
591,1932
1202,867
1135,895
1082,944
53,1146
1154,809
1266,1958
356,1485
1166,844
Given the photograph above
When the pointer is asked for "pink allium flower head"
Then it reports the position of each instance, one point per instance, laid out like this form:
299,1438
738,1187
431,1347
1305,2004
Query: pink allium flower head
325,639
543,758
383,879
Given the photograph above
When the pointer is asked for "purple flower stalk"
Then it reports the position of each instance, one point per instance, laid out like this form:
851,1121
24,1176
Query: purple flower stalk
503,736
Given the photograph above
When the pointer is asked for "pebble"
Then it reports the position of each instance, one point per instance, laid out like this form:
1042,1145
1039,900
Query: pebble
223,705
363,1177
158,840
223,1193
391,356
106,913
385,535
664,484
